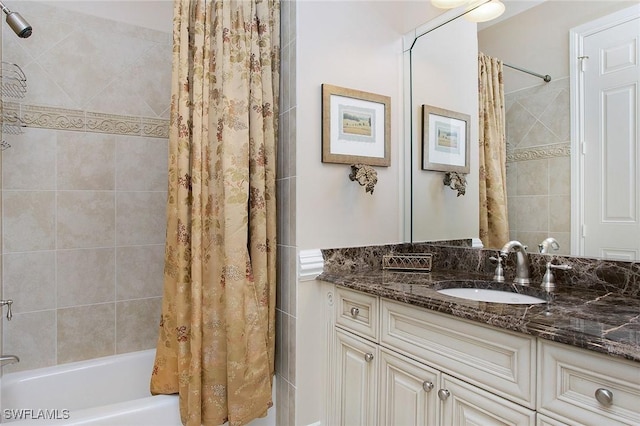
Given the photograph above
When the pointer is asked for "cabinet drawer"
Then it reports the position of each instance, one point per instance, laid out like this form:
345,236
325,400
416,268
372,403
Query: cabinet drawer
499,361
569,379
358,313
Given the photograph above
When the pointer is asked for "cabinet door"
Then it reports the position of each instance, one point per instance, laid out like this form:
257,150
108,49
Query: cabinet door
407,391
465,404
356,390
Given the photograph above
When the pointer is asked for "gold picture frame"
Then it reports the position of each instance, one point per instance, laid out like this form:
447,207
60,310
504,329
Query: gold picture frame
445,140
355,127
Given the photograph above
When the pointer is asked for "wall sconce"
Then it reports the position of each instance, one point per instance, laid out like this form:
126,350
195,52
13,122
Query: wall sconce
476,10
455,181
365,175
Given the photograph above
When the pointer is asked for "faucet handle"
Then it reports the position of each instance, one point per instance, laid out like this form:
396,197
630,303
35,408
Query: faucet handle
561,267
499,273
7,302
549,280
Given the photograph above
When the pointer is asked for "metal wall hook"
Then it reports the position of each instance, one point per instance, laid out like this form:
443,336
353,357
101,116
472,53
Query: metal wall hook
7,302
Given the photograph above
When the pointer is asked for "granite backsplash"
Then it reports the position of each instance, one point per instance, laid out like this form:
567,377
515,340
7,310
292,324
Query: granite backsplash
597,275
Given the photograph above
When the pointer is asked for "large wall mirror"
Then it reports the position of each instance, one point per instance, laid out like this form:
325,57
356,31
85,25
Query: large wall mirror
541,171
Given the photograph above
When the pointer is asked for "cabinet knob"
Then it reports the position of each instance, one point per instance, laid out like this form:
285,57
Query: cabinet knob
427,385
355,311
368,357
604,396
443,394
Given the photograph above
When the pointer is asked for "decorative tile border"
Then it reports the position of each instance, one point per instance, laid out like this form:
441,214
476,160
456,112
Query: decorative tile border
539,153
54,118
155,128
114,124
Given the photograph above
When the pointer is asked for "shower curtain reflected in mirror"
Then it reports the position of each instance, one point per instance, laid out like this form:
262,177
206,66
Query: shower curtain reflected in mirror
494,225
217,331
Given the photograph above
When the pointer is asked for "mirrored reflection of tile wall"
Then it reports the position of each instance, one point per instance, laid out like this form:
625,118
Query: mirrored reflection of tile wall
84,187
539,165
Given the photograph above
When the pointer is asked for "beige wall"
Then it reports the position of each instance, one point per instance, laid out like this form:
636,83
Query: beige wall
84,187
357,45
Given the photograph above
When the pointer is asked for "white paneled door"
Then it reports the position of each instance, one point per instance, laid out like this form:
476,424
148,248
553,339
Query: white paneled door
609,88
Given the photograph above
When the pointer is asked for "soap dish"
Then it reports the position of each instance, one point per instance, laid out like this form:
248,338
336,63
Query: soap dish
408,262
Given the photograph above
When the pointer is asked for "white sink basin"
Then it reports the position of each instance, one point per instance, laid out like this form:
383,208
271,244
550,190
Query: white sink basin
494,296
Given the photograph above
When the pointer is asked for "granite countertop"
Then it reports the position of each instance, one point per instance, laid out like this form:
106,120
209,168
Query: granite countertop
604,322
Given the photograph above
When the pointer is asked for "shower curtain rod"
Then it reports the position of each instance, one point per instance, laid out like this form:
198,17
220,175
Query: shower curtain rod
546,77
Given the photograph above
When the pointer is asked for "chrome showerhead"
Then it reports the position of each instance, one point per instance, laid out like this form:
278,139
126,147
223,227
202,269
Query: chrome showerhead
17,23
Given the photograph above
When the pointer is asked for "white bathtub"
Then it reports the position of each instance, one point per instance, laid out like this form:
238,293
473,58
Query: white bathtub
109,391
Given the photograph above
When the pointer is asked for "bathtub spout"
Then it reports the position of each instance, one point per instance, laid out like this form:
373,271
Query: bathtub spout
8,359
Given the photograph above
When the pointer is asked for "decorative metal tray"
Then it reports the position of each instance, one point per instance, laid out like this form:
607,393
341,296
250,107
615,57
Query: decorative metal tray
408,262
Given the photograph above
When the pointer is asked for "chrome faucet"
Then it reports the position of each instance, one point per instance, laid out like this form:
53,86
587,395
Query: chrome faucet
543,247
8,359
522,261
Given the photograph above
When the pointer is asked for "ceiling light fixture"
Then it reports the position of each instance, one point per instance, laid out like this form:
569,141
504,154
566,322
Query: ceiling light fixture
485,12
476,10
448,4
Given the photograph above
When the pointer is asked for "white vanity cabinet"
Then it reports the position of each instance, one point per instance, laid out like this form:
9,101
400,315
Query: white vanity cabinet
396,364
425,370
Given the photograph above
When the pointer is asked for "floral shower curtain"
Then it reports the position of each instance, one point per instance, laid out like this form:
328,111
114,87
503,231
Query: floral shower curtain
494,225
217,329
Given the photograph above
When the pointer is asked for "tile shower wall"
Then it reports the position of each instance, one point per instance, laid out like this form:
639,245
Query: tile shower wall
539,165
84,187
287,251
